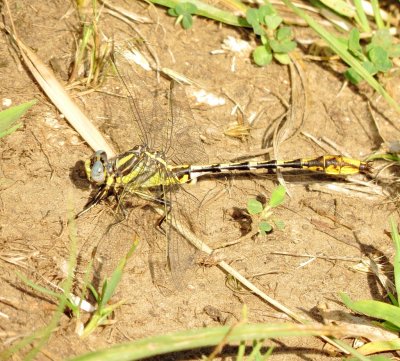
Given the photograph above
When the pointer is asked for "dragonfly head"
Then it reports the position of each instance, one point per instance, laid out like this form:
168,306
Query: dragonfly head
96,167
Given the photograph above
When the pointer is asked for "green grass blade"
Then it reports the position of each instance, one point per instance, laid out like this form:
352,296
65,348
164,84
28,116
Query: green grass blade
357,355
277,196
210,11
241,351
192,339
396,263
36,287
341,7
255,352
116,276
380,346
9,117
361,17
341,50
375,309
377,13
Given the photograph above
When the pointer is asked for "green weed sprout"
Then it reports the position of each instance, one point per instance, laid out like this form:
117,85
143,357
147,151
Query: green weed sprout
9,118
264,213
183,12
276,39
104,310
375,57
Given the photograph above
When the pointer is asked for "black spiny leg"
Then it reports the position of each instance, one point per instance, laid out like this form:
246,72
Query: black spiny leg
120,206
161,220
100,195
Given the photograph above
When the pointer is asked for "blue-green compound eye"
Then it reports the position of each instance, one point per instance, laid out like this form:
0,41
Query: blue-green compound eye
97,172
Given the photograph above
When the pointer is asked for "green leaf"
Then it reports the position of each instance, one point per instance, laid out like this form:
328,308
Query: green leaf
283,33
280,225
185,9
375,309
389,326
282,47
110,286
282,58
272,21
379,57
252,16
9,117
262,56
172,12
266,10
277,196
381,38
354,44
265,227
254,206
258,29
370,67
187,22
184,13
264,40
353,76
341,7
376,347
396,263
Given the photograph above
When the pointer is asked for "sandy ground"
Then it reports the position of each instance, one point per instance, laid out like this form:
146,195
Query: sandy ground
41,173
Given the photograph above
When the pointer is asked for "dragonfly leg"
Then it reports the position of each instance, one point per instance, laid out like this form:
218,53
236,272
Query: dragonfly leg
100,195
167,206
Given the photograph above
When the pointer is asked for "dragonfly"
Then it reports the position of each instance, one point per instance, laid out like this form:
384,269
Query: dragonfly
141,169
170,154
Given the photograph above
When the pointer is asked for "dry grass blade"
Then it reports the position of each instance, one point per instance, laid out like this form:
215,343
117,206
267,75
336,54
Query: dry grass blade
60,98
114,10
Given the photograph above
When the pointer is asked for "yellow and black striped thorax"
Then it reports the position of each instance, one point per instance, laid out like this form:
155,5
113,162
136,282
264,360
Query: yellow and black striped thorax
137,168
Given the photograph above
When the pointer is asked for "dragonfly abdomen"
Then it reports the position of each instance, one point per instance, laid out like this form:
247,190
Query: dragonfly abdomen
328,164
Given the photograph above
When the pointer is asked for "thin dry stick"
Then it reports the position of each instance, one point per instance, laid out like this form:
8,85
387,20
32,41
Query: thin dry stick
330,258
337,147
325,147
155,64
114,9
303,83
378,128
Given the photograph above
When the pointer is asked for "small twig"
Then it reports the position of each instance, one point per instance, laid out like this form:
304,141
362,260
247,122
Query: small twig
45,155
335,146
329,258
378,129
322,145
114,10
